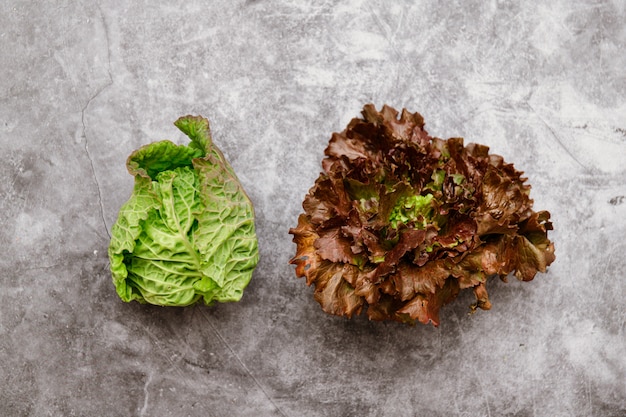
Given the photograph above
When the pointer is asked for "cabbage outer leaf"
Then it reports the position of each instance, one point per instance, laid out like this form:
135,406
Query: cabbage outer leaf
187,232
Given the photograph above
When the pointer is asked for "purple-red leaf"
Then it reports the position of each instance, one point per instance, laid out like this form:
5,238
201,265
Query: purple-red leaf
399,222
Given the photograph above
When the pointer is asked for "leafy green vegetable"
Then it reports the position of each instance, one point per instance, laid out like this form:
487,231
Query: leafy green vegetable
410,209
399,222
187,232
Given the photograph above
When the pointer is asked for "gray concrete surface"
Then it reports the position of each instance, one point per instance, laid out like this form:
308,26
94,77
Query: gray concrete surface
85,83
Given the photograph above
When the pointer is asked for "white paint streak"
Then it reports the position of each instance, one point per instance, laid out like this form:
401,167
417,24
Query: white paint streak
146,396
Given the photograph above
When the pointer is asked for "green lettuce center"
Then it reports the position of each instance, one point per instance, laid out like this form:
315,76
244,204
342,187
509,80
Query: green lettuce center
415,208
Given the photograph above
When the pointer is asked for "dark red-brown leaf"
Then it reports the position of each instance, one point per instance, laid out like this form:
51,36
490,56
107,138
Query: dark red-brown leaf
399,222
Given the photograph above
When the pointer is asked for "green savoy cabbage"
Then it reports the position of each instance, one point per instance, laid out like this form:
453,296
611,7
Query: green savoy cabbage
187,232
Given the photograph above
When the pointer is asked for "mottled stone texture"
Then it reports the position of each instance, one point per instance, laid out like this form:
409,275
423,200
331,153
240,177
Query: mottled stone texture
85,83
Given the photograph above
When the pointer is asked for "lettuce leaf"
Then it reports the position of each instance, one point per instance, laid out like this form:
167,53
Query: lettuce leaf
187,232
399,222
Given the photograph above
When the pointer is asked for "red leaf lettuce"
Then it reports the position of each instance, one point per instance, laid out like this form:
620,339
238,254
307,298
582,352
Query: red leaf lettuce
399,222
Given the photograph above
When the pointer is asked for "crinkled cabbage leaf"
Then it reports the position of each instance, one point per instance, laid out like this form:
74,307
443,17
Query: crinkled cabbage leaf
187,232
399,222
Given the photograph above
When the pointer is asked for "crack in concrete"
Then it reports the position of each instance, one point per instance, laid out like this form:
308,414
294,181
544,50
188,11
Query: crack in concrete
243,365
169,354
557,138
93,169
82,119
